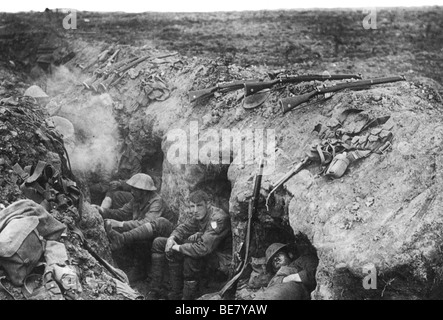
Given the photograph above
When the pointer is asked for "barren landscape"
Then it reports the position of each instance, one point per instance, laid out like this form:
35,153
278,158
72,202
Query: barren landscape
385,211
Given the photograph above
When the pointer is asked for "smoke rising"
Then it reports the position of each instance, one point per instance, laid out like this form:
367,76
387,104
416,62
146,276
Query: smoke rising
95,146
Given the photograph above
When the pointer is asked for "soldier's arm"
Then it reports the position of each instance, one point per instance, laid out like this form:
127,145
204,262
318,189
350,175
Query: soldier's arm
307,275
155,211
184,230
124,186
209,240
122,214
303,272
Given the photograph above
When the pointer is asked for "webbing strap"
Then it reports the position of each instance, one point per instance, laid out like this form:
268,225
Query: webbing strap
320,153
37,172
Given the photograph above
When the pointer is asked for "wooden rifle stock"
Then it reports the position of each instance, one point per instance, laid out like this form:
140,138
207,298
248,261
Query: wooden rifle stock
203,93
254,87
288,104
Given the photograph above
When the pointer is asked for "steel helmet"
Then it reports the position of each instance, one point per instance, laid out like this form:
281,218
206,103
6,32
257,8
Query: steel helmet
272,250
35,92
141,181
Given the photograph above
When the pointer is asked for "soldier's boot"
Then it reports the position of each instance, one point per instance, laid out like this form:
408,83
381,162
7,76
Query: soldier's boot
176,280
190,290
106,203
158,263
158,228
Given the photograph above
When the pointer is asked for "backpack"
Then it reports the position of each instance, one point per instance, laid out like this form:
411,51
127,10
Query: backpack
21,248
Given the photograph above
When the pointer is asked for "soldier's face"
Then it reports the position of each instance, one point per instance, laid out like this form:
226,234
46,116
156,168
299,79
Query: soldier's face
198,209
138,194
280,259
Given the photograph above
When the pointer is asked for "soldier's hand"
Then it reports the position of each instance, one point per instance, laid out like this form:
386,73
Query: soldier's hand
114,223
292,277
114,185
195,237
169,243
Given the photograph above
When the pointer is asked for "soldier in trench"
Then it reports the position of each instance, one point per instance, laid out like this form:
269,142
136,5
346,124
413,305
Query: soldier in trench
294,279
204,241
138,222
114,187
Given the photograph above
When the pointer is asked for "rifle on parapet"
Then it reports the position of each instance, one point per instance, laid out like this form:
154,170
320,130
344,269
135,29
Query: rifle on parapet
223,87
254,87
118,71
288,104
100,74
296,169
252,210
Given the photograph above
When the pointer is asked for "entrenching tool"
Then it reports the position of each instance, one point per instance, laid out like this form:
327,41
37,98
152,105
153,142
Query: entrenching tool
119,274
257,99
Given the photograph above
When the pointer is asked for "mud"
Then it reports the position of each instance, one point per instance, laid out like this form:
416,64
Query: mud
366,213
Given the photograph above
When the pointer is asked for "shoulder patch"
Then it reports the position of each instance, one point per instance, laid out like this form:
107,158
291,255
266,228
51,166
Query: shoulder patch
214,225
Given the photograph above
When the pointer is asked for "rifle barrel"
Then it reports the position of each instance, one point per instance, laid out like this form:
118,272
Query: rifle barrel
225,86
252,208
254,87
290,103
361,83
197,94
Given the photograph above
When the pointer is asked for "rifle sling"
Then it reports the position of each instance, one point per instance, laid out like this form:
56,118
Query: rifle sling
245,260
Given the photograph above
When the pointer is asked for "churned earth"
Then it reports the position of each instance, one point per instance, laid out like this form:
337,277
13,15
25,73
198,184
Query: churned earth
383,213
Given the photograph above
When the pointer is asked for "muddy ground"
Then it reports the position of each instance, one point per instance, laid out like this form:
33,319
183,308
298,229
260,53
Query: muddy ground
407,42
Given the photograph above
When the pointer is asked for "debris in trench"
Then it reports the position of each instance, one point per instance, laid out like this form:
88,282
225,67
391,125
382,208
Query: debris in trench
25,139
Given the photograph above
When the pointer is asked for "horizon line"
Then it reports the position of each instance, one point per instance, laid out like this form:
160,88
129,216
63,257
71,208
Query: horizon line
240,10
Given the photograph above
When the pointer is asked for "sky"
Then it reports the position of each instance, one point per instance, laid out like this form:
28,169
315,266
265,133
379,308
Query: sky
202,6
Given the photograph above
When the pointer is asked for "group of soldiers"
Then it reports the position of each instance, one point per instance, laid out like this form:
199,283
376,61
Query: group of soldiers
134,212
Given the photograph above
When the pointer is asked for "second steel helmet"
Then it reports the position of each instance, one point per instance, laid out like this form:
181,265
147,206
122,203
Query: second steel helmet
272,250
141,181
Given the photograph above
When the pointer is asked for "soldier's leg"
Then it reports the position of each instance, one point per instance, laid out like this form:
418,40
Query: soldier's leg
160,227
175,264
192,270
139,269
158,265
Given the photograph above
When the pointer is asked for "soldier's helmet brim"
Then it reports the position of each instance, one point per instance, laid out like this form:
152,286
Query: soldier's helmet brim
271,251
142,181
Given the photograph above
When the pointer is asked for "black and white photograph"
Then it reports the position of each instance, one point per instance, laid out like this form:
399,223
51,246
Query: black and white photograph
214,158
